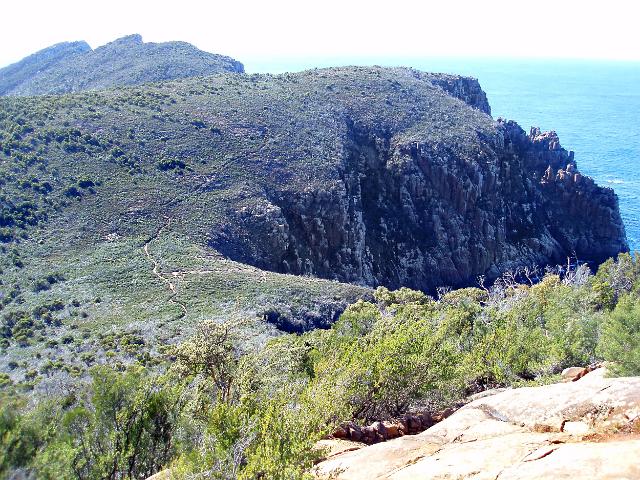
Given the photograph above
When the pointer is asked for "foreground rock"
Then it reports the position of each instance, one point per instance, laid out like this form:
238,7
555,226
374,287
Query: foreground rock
582,429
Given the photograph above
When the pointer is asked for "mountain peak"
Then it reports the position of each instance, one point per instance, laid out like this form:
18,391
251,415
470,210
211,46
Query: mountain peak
74,66
126,41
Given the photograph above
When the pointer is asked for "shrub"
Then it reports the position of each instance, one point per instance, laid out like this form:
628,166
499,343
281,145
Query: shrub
45,284
212,353
372,366
620,337
5,380
23,434
86,183
72,192
171,164
124,431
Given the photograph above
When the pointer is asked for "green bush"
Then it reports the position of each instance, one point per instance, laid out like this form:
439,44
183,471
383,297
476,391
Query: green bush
125,430
620,337
171,164
23,434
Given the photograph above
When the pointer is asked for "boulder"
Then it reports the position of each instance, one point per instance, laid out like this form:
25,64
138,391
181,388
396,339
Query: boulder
340,432
572,373
572,430
411,423
391,429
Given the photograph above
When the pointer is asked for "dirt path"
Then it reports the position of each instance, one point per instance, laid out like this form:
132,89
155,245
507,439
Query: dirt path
156,271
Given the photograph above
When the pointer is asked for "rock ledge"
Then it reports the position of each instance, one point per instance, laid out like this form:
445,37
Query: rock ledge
588,428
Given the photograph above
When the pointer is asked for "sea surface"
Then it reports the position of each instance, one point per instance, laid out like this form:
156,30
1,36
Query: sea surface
594,106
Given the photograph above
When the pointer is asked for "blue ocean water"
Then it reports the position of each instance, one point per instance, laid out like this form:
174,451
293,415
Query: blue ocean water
593,106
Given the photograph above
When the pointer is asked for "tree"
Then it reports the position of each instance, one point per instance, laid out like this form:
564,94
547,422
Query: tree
212,352
620,337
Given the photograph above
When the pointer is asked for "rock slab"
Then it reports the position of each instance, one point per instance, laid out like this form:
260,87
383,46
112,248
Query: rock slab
582,429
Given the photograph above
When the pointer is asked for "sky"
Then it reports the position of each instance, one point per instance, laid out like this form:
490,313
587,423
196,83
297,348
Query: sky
263,30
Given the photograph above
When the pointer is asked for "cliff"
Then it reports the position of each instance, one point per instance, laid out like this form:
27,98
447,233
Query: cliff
424,207
72,67
463,88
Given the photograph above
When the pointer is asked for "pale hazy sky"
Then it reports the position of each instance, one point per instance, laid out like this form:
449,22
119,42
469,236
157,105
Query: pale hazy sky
259,30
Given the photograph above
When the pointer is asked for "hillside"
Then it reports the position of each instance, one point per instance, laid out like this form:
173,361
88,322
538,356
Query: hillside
145,210
215,405
73,67
14,76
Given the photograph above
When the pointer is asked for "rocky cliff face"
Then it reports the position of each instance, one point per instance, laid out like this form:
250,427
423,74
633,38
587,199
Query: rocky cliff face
464,88
430,213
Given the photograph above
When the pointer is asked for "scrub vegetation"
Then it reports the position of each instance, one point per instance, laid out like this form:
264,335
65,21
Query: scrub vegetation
215,407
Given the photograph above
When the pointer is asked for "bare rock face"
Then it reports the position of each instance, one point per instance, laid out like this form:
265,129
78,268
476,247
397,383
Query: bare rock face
582,429
424,214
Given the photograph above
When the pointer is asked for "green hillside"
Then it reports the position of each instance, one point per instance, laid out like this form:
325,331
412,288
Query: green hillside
74,66
128,216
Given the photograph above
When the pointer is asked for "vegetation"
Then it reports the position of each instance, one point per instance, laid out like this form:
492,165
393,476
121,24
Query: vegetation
110,205
71,67
620,341
218,408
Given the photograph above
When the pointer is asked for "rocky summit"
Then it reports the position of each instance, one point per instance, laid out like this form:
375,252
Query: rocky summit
583,429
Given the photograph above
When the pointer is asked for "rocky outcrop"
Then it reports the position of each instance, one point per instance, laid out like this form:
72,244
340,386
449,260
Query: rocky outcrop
589,428
409,424
427,213
72,67
464,88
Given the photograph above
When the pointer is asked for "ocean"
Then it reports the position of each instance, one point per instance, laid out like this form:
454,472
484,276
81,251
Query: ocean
594,106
